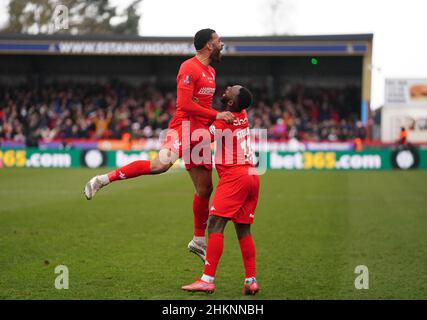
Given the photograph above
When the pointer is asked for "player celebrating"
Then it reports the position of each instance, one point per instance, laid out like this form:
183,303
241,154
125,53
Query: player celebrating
195,90
236,195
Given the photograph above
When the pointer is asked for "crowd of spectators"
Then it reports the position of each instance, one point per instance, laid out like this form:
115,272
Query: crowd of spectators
68,110
311,114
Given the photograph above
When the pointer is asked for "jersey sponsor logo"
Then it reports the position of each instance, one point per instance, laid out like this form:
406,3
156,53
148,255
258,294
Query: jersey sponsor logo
187,79
239,122
122,176
207,90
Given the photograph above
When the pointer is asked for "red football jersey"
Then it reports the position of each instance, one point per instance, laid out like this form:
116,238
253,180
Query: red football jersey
199,80
233,144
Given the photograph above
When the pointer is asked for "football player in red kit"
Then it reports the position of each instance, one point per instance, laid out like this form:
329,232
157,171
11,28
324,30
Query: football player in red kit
236,195
195,90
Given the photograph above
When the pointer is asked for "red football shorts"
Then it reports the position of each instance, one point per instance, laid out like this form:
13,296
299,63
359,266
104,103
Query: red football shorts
236,197
180,128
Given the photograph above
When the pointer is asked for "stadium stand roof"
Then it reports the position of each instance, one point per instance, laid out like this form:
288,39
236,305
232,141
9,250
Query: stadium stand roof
112,37
349,44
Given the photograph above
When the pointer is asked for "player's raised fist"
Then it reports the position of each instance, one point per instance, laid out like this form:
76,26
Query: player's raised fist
227,116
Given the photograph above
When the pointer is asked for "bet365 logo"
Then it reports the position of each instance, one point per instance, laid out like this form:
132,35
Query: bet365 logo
13,158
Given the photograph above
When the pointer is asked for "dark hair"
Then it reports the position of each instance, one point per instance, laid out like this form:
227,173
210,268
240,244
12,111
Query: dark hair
202,37
244,98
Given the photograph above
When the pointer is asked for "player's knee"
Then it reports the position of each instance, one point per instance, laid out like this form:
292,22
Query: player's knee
242,230
243,234
166,156
214,228
216,225
204,191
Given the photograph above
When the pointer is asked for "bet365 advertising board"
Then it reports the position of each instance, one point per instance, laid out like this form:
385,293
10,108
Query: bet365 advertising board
384,159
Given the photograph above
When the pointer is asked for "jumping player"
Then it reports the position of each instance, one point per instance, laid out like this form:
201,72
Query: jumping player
195,90
236,195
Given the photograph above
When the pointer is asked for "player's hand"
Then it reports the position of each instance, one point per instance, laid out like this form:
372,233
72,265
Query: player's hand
227,116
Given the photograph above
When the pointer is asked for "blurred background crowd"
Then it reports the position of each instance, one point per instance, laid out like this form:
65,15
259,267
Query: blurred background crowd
70,110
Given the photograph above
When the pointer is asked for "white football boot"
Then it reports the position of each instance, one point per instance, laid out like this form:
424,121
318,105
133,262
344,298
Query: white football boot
93,186
198,249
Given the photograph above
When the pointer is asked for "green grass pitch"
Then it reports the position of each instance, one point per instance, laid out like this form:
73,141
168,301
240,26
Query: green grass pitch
311,230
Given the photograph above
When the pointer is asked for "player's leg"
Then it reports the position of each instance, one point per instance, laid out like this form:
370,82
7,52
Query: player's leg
202,181
242,222
247,247
215,246
213,254
163,161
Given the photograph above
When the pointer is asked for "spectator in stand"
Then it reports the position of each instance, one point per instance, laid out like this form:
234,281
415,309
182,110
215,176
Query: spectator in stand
102,123
279,129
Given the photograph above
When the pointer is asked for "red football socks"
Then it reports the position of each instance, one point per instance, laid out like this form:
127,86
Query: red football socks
132,170
201,214
213,253
247,247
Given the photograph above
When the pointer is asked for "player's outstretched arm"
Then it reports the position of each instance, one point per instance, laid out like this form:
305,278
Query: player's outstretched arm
226,116
186,103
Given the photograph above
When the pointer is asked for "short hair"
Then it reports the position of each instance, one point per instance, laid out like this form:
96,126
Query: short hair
244,98
202,37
